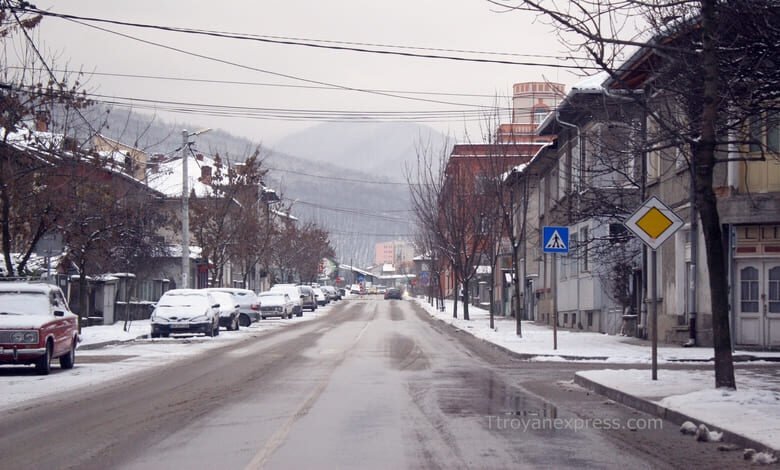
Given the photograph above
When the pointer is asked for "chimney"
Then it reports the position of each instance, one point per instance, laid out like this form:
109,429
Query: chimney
42,122
205,174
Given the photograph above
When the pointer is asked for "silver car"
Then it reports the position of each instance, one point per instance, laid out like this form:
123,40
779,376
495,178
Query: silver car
248,304
276,304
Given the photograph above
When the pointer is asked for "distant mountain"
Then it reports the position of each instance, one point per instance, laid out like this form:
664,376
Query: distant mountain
346,178
376,148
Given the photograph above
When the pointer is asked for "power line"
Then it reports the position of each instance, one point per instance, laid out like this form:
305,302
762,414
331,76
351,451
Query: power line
265,84
269,72
350,211
337,178
314,43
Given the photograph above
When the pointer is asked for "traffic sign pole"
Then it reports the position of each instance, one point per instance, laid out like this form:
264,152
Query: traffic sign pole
654,313
654,222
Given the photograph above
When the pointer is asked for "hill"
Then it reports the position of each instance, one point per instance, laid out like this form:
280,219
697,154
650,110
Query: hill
338,187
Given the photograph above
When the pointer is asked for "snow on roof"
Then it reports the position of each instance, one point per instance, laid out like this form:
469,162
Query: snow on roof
169,177
592,83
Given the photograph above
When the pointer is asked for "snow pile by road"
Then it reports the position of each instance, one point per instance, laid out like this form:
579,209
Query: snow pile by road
538,340
752,410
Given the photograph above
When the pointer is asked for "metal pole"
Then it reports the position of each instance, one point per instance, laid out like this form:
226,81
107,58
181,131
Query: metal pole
555,299
654,313
185,214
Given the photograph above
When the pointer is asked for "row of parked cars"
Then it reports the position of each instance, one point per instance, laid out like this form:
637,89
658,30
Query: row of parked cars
37,326
205,310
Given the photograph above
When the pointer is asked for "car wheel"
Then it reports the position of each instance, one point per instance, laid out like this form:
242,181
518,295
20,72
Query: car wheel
69,360
43,364
300,314
244,321
155,335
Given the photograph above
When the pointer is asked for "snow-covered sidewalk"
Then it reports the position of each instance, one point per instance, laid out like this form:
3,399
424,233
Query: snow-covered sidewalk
752,411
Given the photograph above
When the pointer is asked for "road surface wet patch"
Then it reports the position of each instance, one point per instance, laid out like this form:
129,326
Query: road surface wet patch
405,353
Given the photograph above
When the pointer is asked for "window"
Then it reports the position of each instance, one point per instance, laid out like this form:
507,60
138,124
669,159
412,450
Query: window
765,134
574,254
576,168
584,250
749,290
539,114
618,233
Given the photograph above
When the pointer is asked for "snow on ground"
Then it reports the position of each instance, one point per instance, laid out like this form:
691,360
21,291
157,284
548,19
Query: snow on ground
128,355
753,410
538,340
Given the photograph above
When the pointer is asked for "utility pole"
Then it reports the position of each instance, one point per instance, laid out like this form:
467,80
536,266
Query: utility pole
185,213
185,206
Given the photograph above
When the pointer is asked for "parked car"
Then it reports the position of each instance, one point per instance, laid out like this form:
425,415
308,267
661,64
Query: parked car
185,311
309,299
228,309
322,299
355,289
295,294
276,303
248,304
393,293
36,326
331,292
381,289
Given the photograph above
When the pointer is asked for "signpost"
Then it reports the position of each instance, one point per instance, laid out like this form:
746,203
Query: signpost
654,222
555,240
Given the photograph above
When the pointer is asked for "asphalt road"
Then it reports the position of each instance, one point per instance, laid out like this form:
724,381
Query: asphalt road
374,384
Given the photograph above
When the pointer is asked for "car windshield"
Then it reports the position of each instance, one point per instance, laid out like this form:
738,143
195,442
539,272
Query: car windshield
275,297
24,303
224,299
183,300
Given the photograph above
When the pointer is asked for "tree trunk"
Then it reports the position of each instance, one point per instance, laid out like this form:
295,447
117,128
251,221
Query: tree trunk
466,300
706,200
83,295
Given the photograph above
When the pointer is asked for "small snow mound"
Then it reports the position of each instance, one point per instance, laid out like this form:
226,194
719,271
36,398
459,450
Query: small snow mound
763,458
703,434
688,428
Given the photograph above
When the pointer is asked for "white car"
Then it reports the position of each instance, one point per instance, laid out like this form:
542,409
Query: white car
228,309
295,295
185,311
322,298
276,304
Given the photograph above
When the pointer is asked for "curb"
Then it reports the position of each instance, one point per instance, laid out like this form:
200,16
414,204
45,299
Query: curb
654,409
87,347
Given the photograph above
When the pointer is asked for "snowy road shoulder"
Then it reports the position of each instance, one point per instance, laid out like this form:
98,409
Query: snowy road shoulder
118,353
752,411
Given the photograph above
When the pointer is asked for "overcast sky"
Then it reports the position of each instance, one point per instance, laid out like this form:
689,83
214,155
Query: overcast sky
449,25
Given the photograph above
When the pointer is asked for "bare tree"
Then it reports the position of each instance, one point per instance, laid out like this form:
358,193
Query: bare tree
29,94
713,63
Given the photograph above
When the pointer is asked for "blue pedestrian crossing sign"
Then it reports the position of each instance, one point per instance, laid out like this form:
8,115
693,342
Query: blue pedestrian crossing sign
555,239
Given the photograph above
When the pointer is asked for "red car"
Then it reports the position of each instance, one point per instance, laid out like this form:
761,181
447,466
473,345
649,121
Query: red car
36,326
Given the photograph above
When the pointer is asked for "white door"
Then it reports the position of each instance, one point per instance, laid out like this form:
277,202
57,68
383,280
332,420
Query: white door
758,303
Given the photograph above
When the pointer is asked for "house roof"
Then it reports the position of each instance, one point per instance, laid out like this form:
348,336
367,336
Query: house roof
587,86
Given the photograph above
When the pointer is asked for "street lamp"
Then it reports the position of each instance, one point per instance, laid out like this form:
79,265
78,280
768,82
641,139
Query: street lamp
185,207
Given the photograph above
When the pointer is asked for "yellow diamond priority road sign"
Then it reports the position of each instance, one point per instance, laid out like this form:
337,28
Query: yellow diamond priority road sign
654,222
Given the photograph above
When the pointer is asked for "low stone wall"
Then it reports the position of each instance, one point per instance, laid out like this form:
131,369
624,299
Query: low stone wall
132,311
